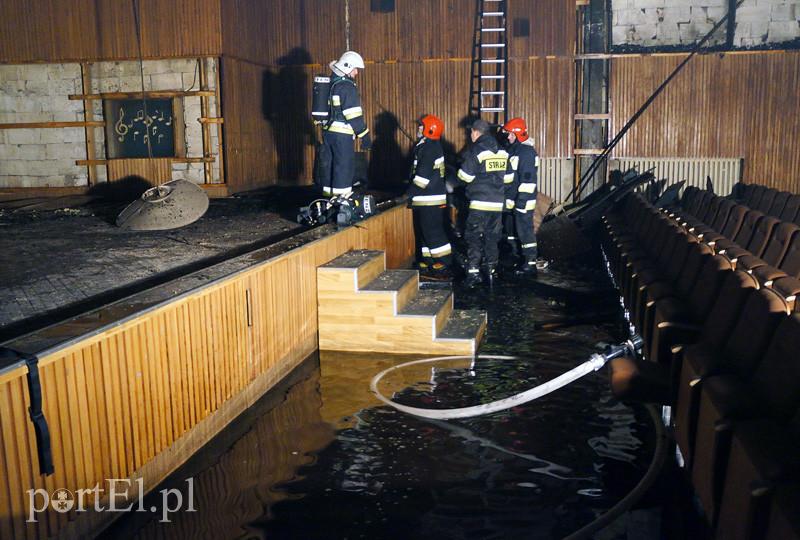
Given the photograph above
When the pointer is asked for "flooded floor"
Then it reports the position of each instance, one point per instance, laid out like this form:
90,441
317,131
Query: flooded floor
321,457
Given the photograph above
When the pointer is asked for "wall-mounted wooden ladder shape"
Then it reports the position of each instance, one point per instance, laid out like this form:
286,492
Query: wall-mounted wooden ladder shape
489,77
364,307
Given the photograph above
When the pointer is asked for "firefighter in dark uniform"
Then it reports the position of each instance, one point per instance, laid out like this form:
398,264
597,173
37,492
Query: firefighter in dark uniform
521,196
345,124
428,199
485,169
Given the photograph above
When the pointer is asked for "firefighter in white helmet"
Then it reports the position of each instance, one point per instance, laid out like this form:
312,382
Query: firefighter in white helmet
345,123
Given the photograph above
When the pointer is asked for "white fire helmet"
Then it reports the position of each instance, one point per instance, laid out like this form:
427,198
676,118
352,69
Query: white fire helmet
347,63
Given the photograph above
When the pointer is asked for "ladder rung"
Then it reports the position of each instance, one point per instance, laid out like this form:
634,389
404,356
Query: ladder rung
493,45
492,76
492,93
492,13
593,116
493,61
492,109
587,151
493,29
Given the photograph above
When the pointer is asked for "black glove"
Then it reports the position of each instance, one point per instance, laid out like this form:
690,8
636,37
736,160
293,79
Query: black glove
366,142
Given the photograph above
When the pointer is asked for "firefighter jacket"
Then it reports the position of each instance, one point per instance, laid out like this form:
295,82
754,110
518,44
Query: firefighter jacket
486,169
427,182
521,193
345,105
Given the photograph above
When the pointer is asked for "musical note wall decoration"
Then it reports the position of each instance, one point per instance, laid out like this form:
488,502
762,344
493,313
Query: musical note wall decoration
155,127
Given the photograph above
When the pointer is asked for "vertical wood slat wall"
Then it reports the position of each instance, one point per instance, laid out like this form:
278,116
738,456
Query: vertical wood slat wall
54,30
418,61
157,170
141,397
737,105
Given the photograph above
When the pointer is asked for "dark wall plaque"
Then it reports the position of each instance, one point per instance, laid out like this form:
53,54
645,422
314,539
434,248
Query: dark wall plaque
129,129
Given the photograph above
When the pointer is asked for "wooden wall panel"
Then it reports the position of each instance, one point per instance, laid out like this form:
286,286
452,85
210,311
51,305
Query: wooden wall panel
267,148
56,31
552,27
738,105
281,32
156,171
313,31
140,397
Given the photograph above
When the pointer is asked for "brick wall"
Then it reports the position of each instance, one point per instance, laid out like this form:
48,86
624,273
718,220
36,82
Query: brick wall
665,23
38,93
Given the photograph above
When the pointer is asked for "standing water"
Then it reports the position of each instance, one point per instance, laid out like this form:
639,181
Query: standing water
321,457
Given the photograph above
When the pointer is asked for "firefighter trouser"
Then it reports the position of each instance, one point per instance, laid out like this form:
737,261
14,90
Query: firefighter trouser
432,242
482,234
519,231
336,165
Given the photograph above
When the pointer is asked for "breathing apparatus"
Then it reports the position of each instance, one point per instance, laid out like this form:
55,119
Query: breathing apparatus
343,210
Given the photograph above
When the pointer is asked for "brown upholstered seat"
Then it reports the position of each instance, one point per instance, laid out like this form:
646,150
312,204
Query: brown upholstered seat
763,385
764,460
732,226
743,237
788,266
776,249
766,200
699,359
778,204
792,209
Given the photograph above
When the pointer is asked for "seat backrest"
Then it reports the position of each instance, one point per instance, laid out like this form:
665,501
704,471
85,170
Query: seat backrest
734,222
778,204
739,190
792,208
751,336
749,224
699,204
766,200
777,377
688,196
673,261
755,196
758,242
779,243
735,289
725,207
707,285
689,270
708,216
791,259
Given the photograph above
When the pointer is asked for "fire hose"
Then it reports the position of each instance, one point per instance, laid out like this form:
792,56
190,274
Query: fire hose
595,362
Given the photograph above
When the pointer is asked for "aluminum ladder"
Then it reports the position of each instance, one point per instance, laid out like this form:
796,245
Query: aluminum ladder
489,75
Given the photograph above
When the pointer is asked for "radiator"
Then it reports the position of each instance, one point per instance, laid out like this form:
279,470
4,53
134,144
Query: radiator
555,177
724,172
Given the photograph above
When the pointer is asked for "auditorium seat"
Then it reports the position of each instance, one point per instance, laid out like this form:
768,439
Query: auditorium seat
788,266
679,321
766,201
732,226
784,519
791,210
745,236
764,461
724,348
756,194
778,204
754,384
775,251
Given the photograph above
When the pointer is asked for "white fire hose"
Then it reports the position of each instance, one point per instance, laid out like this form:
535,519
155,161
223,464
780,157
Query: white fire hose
595,362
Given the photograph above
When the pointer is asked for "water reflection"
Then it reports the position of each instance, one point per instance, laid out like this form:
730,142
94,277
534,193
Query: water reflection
326,459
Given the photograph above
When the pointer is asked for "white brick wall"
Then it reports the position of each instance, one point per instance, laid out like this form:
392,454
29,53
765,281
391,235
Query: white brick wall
658,23
38,93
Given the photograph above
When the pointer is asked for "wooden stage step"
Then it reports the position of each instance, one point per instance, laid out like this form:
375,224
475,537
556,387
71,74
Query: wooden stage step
364,307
